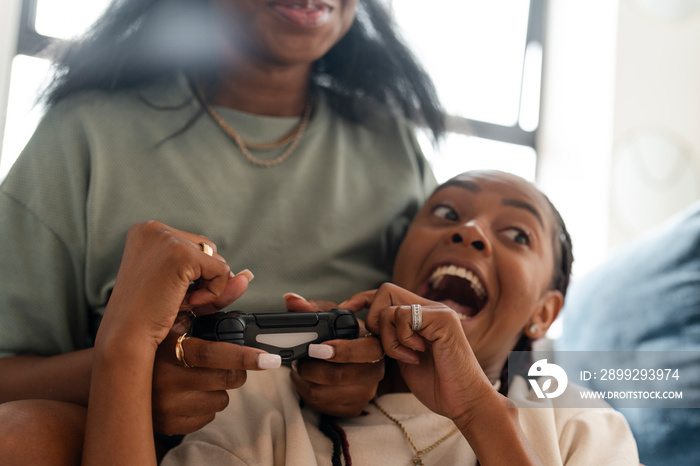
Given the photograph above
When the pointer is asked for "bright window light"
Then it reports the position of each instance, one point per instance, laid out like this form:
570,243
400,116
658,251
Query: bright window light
28,78
532,83
459,153
66,19
62,19
474,51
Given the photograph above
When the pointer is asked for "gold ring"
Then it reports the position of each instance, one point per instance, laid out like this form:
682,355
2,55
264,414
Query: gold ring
179,350
207,249
416,317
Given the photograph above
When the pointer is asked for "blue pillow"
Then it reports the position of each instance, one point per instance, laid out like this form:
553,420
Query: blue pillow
647,297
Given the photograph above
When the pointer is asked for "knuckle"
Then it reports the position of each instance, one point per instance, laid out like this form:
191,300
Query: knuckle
151,227
201,355
233,378
385,287
220,401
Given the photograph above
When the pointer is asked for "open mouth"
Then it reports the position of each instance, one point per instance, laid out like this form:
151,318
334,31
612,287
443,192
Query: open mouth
458,288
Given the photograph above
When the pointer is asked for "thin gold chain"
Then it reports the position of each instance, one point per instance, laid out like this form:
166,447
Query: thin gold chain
294,136
418,459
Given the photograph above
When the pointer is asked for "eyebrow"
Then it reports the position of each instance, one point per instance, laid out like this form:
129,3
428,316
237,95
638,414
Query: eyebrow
468,185
523,205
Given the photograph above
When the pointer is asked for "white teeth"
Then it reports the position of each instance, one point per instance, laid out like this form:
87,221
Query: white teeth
455,271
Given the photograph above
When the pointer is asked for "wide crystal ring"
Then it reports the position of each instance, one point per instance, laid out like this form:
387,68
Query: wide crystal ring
206,249
416,317
180,351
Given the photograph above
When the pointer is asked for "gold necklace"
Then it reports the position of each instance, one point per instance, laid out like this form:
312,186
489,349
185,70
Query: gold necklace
418,459
294,136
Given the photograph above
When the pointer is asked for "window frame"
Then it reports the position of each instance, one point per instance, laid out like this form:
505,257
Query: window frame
509,134
30,42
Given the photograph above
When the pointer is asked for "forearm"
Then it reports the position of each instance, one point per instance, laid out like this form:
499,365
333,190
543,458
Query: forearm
64,377
119,426
494,432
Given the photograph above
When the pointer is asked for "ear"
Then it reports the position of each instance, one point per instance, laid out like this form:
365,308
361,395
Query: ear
546,312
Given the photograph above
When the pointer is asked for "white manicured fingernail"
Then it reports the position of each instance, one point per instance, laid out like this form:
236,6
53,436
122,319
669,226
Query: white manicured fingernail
292,295
269,361
246,273
321,351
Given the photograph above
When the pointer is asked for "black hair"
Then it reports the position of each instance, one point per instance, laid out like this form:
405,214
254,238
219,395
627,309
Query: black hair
563,252
563,260
137,42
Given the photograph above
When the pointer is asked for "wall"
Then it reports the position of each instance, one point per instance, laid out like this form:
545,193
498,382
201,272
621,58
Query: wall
655,163
9,27
576,128
620,138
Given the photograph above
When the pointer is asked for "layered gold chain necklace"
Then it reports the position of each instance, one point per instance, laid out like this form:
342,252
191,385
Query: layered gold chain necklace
418,459
292,138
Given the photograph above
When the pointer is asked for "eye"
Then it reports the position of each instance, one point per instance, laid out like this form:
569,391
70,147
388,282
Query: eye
445,212
518,235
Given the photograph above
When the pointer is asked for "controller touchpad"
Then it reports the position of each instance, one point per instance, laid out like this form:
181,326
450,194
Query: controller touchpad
286,340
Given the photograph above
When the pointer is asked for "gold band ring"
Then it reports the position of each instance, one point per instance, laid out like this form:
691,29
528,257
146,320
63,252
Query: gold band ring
180,351
207,249
416,317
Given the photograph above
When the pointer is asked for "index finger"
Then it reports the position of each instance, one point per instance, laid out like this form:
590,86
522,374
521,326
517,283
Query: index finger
359,301
366,349
224,355
389,295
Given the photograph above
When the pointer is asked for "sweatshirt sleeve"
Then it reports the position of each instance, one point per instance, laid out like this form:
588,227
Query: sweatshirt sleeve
42,239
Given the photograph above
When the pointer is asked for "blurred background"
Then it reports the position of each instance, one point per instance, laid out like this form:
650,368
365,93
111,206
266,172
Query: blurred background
598,101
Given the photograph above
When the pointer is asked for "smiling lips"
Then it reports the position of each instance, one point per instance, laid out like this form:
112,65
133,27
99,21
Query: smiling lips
458,288
305,14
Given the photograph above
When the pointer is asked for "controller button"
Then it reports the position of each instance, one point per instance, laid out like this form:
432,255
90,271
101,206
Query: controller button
229,326
286,355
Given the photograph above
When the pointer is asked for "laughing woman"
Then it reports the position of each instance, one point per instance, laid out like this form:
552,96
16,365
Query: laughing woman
483,270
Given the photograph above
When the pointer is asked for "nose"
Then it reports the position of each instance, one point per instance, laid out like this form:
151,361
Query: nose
471,234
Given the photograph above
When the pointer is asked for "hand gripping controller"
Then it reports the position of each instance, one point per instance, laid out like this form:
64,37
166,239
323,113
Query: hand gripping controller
287,334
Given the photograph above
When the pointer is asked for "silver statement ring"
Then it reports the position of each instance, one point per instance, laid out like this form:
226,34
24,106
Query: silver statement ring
416,317
206,249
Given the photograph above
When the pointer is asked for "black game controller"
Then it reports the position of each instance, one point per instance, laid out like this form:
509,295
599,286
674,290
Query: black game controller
287,334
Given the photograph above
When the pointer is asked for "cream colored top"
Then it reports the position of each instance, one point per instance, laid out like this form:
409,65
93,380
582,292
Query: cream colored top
264,425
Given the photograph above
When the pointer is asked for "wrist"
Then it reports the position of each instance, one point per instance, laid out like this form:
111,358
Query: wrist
491,405
124,347
493,430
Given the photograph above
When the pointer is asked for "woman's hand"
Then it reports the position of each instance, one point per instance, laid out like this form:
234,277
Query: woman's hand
440,369
152,292
341,376
157,267
436,362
